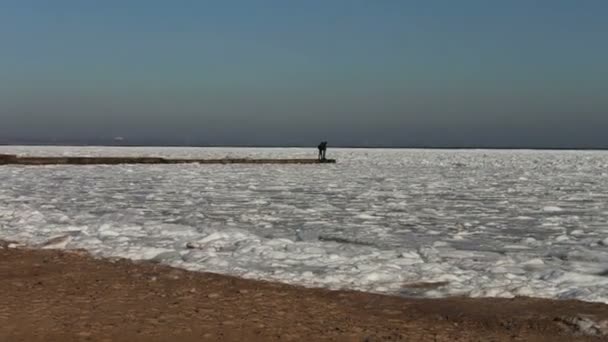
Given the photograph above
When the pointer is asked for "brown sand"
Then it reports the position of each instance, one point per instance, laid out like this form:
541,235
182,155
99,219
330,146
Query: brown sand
50,295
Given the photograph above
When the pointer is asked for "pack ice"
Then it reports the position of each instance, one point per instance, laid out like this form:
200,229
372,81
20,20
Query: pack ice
426,223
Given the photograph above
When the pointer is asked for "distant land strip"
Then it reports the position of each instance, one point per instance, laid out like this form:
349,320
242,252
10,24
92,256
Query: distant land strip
335,146
9,159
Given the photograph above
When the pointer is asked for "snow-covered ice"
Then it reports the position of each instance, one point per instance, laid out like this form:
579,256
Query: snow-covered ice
474,222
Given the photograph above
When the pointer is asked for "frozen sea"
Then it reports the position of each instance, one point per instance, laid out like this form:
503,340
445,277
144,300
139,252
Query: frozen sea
427,223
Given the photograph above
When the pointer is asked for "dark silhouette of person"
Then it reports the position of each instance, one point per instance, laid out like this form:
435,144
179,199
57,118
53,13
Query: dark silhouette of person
322,150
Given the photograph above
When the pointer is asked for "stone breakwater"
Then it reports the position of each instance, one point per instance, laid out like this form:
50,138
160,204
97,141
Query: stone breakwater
9,159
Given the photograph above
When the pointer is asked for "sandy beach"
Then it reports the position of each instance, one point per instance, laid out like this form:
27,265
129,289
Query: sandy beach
52,295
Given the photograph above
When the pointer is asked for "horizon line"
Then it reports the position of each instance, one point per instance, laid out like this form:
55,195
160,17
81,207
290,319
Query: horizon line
412,147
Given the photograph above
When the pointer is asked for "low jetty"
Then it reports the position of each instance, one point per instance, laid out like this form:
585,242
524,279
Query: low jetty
9,159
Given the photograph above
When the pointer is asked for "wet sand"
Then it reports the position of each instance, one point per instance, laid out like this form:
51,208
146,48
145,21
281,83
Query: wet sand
51,295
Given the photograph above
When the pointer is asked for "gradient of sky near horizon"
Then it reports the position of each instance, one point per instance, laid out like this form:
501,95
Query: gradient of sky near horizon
390,73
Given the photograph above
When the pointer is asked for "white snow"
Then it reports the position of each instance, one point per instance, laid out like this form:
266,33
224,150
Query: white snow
476,222
552,209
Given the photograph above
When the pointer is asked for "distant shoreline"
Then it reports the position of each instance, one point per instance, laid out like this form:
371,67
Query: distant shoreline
371,147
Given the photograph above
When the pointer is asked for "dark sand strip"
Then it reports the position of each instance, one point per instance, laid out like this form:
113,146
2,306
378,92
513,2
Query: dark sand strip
6,159
48,295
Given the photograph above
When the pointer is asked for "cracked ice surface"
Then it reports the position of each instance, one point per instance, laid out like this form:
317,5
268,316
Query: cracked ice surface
475,222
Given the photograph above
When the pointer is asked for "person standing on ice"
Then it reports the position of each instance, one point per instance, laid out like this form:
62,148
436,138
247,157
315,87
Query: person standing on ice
322,149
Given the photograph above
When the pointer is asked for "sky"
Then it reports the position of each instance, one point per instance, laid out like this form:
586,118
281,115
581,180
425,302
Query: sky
467,73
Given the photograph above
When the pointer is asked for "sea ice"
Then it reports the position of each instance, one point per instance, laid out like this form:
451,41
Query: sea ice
376,220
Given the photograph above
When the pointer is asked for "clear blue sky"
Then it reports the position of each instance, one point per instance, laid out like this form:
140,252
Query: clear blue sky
384,72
